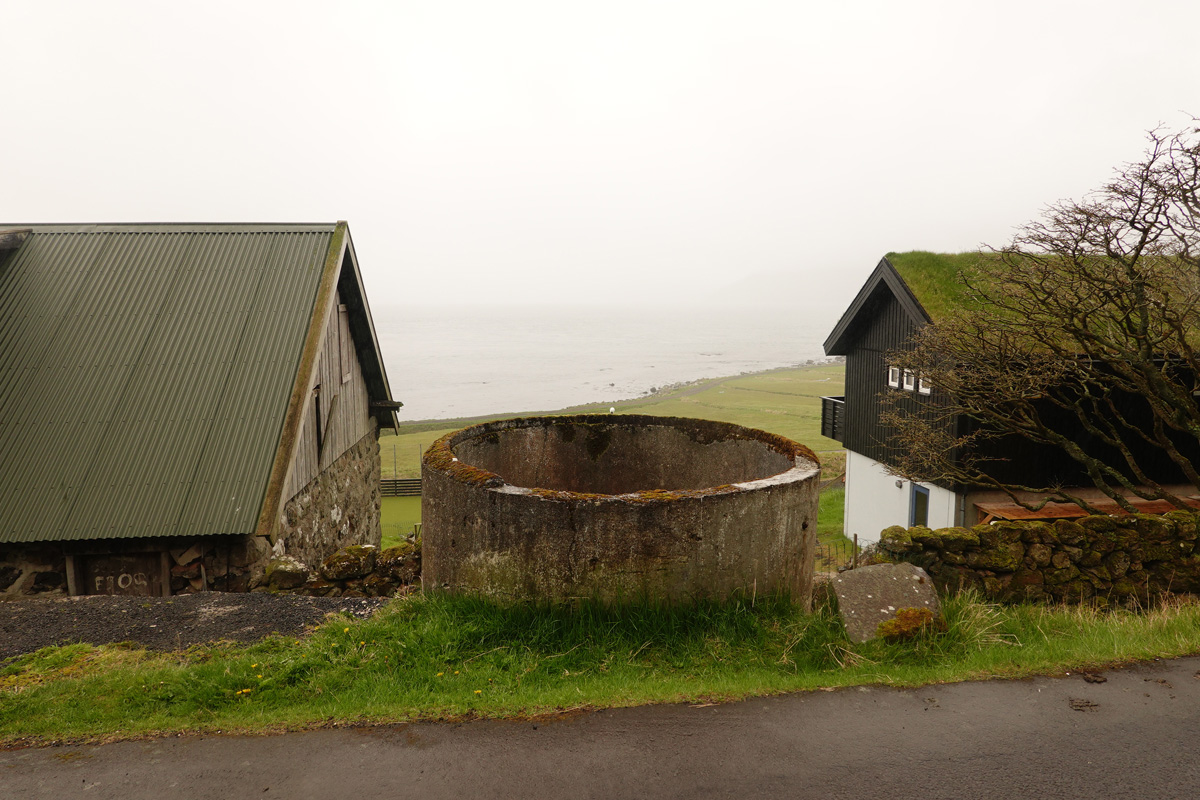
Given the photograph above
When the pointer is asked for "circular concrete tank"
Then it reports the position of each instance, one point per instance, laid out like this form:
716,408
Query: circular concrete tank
618,507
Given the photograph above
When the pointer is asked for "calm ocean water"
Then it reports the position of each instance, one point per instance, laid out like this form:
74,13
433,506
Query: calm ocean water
473,361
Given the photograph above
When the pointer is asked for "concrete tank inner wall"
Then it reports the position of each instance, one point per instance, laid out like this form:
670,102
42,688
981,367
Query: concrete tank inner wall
618,507
602,457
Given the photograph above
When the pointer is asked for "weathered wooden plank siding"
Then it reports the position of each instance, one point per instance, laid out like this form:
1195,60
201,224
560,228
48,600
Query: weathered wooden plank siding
340,396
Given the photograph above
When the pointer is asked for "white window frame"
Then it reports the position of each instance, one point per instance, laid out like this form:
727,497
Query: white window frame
894,377
923,385
910,380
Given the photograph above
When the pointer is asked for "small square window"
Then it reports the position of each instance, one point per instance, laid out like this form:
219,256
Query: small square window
910,380
894,377
923,385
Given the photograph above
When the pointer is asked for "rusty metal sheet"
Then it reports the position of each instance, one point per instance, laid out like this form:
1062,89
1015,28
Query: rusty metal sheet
1011,511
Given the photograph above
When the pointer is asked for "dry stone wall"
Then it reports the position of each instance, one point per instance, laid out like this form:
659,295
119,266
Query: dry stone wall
355,571
1121,560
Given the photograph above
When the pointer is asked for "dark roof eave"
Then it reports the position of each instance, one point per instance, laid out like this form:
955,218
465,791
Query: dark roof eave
886,277
12,238
366,342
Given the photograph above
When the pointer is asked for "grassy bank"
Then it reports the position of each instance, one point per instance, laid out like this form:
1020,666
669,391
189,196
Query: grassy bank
440,657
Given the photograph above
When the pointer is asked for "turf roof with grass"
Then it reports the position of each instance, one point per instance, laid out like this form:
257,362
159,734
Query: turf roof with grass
936,279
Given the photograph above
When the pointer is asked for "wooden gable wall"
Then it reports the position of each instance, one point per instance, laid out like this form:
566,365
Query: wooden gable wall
338,402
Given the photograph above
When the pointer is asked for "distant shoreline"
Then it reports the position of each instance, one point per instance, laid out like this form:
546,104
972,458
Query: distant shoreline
661,393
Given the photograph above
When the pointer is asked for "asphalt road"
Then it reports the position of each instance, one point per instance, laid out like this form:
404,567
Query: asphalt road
1133,736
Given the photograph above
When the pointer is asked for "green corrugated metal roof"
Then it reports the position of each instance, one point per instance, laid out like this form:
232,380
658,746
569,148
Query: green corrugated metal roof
145,372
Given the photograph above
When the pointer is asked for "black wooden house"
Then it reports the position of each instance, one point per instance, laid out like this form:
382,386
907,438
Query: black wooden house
905,292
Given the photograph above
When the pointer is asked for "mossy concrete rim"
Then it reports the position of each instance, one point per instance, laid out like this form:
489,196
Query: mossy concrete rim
440,456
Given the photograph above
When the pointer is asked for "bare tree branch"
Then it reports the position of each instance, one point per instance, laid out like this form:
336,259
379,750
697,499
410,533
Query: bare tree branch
1082,335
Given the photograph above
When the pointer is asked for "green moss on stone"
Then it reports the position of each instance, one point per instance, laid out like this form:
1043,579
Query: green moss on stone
896,539
908,623
1185,524
956,540
349,562
1003,532
1069,532
598,440
1003,557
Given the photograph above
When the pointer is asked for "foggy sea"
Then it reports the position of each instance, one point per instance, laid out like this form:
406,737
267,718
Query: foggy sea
471,361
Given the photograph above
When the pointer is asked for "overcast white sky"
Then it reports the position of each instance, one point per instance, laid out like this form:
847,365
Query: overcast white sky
609,151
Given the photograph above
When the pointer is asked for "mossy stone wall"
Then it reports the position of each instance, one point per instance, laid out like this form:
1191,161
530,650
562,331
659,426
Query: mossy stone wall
1121,560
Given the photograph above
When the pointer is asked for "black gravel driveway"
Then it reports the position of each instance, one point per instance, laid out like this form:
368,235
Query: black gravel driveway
166,623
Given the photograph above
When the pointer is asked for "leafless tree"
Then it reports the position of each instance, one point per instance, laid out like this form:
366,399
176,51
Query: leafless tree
1088,321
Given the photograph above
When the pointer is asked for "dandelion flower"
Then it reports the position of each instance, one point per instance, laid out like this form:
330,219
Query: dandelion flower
479,691
345,630
440,674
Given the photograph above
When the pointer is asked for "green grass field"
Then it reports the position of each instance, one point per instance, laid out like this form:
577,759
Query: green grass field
399,517
785,401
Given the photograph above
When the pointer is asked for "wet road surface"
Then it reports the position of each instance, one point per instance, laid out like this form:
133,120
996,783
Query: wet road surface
1135,735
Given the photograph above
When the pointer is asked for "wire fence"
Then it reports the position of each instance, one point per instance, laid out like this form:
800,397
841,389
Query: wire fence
400,487
400,530
831,556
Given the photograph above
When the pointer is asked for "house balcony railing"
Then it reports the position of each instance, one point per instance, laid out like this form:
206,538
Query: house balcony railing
833,418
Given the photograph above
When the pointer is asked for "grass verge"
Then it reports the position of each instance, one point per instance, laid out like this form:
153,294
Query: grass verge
444,658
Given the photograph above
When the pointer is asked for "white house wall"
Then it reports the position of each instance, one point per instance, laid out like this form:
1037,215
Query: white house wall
874,501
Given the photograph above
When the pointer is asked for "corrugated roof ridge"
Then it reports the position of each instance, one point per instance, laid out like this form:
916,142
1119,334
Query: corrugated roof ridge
169,228
287,437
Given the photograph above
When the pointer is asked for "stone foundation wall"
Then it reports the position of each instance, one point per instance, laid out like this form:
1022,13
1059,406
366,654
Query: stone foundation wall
338,508
1121,560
